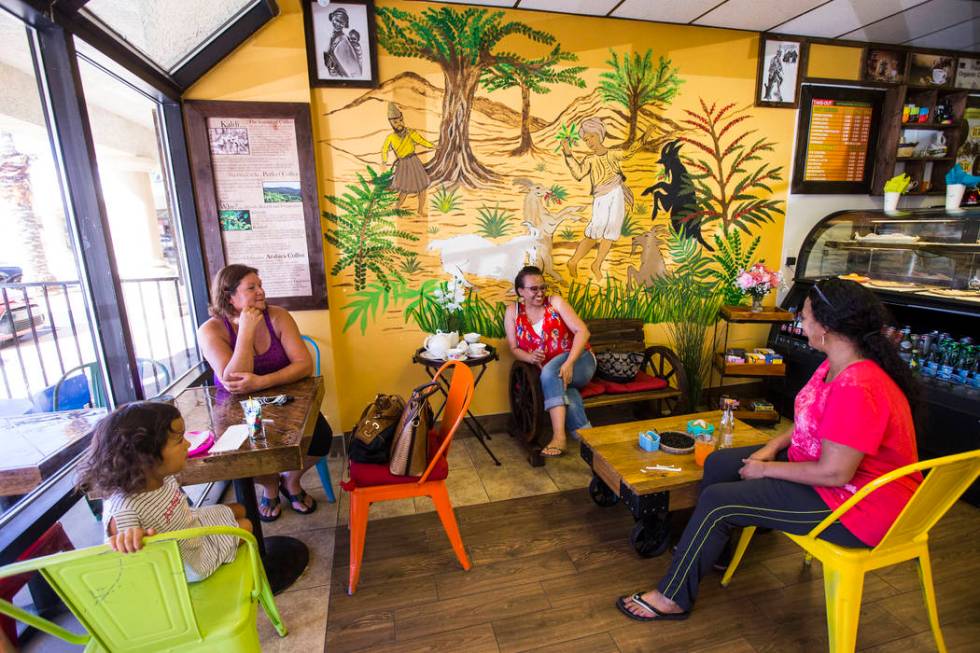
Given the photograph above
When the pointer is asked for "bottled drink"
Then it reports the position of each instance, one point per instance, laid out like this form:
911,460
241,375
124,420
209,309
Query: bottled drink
963,365
726,431
931,366
974,379
905,345
915,361
946,363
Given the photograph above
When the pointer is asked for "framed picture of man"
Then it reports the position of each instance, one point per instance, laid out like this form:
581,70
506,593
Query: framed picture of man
340,43
782,64
884,65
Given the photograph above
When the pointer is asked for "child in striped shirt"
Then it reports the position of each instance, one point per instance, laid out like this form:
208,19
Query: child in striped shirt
135,454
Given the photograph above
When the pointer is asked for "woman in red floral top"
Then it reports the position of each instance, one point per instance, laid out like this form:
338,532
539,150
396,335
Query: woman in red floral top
853,423
545,331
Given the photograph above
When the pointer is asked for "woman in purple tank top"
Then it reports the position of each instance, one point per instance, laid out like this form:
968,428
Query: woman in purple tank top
252,346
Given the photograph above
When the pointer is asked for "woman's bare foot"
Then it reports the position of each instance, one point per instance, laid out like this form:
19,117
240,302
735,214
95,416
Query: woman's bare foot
657,600
554,449
269,507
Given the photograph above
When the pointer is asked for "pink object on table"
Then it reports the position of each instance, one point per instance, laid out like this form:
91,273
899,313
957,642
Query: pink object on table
201,442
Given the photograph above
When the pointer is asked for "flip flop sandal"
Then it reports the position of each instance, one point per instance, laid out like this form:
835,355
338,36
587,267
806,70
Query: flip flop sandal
298,498
658,615
270,504
561,452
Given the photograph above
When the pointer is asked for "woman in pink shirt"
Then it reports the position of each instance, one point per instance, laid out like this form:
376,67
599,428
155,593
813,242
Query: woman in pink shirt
853,423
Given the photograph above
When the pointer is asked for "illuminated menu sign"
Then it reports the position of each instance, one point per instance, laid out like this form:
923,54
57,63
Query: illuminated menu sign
837,141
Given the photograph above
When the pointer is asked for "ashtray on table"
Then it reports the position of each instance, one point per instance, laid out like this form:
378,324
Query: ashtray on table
676,442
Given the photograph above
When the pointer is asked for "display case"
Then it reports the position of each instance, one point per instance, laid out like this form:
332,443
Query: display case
924,265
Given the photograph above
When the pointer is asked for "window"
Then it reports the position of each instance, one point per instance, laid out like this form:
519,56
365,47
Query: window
135,178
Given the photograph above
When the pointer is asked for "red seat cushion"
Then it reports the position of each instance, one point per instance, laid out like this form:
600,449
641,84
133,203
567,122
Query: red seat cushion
642,383
592,389
366,474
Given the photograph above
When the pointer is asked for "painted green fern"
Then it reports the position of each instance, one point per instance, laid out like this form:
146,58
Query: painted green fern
364,230
493,221
446,200
731,260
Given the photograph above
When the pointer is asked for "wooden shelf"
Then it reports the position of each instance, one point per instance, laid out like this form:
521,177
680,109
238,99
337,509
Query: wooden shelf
748,369
932,126
737,314
768,416
923,158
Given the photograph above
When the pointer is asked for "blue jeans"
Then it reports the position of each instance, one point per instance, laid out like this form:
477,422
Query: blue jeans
556,394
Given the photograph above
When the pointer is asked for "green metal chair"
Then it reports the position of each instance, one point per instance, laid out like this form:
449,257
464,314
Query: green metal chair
136,602
321,465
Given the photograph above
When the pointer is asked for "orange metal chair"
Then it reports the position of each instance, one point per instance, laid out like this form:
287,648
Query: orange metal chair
458,401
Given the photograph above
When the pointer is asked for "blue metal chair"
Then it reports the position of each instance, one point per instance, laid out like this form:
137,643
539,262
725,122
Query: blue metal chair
83,385
321,465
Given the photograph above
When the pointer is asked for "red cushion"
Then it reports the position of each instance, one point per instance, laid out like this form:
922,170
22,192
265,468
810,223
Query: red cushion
592,389
366,474
643,382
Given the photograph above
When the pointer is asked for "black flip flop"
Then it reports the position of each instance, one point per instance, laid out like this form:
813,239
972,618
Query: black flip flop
297,498
660,616
561,452
266,502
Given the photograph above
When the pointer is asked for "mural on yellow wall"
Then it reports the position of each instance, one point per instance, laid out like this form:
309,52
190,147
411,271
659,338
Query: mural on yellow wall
619,197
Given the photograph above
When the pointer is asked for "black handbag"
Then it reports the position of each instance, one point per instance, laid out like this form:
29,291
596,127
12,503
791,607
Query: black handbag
618,366
375,430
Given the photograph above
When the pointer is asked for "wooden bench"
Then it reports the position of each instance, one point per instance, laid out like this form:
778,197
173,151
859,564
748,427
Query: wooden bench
529,420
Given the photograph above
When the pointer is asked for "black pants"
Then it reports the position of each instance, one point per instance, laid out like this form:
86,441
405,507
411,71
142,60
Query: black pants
322,438
727,502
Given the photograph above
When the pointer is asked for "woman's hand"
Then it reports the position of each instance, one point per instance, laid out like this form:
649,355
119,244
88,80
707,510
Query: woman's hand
535,357
130,540
249,319
764,454
243,382
752,469
565,371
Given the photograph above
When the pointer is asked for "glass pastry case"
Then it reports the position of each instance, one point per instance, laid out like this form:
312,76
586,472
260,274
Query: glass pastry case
924,265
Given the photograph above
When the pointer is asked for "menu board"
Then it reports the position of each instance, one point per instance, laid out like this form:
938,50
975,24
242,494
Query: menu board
260,207
838,140
255,192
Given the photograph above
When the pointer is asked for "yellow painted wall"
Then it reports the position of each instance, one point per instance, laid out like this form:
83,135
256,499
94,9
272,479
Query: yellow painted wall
717,65
834,62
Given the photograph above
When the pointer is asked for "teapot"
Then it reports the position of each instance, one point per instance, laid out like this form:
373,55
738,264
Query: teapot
439,343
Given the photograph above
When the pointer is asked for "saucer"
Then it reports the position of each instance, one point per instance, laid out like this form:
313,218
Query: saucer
427,355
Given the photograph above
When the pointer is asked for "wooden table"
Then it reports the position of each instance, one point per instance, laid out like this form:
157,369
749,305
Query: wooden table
288,437
33,447
617,462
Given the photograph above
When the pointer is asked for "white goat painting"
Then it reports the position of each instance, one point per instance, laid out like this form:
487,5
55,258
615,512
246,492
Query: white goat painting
477,256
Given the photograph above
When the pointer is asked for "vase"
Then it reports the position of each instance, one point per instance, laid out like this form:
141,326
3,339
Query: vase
756,304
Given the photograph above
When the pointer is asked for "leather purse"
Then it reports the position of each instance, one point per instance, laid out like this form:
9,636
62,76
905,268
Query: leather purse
410,447
618,366
375,430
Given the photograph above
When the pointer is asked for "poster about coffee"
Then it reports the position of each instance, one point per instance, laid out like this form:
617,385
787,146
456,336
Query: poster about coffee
968,73
931,70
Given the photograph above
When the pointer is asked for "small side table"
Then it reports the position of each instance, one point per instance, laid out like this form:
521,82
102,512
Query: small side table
744,315
432,366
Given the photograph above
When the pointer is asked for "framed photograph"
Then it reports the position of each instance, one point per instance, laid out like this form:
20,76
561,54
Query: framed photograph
884,65
968,73
931,69
782,60
340,43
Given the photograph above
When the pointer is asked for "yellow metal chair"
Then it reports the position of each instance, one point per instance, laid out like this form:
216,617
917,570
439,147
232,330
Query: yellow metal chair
908,538
141,601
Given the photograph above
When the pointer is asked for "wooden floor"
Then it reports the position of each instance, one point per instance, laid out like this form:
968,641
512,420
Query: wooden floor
547,569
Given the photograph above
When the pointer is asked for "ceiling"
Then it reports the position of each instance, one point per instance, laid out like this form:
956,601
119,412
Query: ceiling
946,24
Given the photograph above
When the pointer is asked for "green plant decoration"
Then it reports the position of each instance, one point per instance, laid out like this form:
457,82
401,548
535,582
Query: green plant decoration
640,208
494,222
433,229
689,258
446,200
463,44
631,226
639,86
532,76
567,133
732,186
541,167
557,194
364,231
410,264
732,260
435,308
567,234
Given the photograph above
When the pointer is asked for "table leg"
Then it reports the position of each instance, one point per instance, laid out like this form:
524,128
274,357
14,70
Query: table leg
481,434
284,558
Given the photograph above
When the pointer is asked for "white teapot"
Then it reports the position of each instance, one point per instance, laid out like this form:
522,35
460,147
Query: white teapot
439,343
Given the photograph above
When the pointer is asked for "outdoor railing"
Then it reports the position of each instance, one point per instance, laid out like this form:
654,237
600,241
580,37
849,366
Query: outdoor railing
45,332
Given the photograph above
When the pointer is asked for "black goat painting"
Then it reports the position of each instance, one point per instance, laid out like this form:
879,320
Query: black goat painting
677,195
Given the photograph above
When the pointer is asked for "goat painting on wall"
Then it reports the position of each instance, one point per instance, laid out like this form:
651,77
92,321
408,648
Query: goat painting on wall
677,195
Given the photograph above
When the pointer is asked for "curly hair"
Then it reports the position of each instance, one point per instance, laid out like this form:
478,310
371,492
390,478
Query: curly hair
852,311
126,444
526,271
224,285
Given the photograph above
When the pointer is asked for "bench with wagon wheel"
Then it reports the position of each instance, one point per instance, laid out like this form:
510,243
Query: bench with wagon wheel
661,384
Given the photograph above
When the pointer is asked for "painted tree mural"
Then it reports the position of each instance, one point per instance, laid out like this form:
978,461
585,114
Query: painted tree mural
364,231
532,77
462,44
733,184
640,86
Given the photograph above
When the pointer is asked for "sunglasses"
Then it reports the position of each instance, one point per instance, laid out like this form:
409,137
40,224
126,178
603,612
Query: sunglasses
536,289
822,296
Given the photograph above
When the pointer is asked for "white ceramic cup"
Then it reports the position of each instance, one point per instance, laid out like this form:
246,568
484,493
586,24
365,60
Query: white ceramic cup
478,349
954,195
470,338
891,201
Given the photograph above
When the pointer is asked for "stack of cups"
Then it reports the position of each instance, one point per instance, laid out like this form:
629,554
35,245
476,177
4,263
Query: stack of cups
253,420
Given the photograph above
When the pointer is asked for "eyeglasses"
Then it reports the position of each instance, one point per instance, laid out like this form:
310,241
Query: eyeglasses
816,287
536,289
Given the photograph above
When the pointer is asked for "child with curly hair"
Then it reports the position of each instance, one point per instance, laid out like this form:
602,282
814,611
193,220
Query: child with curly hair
132,462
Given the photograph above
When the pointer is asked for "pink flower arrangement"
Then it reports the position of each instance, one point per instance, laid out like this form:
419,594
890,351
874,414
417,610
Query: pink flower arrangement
758,280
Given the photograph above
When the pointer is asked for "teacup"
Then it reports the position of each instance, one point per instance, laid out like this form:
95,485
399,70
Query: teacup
456,355
939,76
471,338
478,349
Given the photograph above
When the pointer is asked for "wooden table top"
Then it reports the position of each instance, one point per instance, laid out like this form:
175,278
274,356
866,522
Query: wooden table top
33,447
616,449
288,434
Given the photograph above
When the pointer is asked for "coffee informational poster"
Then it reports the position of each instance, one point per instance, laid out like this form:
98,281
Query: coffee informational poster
256,195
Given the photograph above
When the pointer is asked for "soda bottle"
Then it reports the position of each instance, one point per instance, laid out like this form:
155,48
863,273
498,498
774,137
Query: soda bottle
961,369
974,379
905,345
915,361
726,431
946,363
930,366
